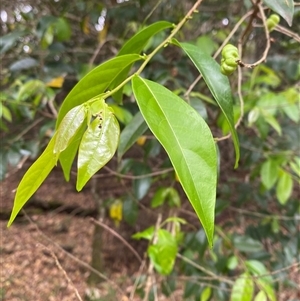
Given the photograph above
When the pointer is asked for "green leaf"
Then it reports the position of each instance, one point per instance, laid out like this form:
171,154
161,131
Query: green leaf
295,166
269,173
247,244
284,187
242,289
232,262
163,253
95,83
121,113
9,40
62,30
159,197
66,157
97,146
130,211
140,39
135,45
5,113
206,293
256,268
33,179
68,128
218,85
292,111
271,120
189,143
284,8
261,296
146,234
267,288
24,64
134,129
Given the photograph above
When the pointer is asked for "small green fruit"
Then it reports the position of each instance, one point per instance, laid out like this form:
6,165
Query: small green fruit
272,21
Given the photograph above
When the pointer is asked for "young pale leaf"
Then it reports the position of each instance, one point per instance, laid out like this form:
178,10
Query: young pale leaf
66,157
95,83
33,178
134,129
261,296
284,187
218,85
206,293
68,128
189,143
242,289
97,147
163,253
284,8
269,173
135,45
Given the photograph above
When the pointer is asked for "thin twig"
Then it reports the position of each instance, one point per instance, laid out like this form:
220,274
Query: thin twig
152,11
204,270
287,32
79,261
268,42
63,271
150,271
26,130
113,232
257,214
155,173
137,280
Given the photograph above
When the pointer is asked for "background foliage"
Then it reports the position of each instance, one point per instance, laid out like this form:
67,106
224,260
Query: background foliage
47,47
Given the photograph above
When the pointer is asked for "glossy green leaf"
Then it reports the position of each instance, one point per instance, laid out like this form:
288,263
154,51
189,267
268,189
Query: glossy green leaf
140,39
243,289
97,146
163,253
134,129
284,8
67,157
189,143
269,173
218,85
284,187
159,197
33,179
68,128
95,82
135,45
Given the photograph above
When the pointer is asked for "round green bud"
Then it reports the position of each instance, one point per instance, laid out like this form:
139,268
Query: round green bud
272,21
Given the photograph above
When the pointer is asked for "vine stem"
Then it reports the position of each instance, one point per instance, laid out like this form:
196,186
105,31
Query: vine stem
159,47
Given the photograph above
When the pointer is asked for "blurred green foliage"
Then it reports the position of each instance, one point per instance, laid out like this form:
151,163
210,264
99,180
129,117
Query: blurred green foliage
46,47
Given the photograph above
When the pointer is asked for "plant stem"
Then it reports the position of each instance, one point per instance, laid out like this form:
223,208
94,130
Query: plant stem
160,46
